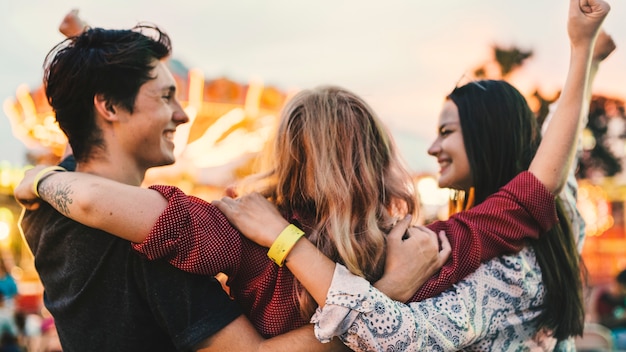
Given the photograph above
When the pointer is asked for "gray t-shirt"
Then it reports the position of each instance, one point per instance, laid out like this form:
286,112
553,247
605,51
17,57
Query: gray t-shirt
105,297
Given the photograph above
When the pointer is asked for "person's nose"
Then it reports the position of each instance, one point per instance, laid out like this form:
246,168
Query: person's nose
179,115
434,148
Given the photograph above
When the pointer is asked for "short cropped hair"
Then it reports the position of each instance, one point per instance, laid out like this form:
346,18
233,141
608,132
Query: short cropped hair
113,64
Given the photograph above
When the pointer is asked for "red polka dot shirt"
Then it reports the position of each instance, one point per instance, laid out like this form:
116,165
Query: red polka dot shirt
195,236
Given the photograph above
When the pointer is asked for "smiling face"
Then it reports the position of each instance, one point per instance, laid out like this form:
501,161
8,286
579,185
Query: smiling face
148,133
449,149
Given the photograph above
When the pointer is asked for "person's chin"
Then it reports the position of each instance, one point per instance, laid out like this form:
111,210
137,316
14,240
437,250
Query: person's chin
443,183
167,160
169,157
445,180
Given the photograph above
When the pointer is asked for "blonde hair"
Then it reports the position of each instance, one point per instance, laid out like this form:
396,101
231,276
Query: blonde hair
334,168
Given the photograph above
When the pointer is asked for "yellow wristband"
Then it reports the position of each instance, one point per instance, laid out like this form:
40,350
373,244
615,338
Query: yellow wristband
284,243
41,175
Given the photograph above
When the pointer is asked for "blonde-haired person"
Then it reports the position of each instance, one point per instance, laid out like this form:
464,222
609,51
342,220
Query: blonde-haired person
334,168
504,304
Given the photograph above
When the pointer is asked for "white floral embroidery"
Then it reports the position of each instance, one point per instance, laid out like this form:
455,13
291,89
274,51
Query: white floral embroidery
490,310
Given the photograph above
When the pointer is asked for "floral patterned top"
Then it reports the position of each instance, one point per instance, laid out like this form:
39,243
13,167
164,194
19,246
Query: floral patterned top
490,310
493,309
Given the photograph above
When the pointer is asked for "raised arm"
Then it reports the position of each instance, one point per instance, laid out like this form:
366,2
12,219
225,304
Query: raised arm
559,141
72,24
603,48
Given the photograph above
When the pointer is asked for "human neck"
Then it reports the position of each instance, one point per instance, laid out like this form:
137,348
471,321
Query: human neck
127,173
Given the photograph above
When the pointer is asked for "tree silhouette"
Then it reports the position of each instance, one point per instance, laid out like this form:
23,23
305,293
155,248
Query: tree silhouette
598,158
544,103
510,59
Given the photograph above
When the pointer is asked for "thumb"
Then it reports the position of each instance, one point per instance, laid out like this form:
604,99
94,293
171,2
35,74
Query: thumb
29,204
398,231
231,191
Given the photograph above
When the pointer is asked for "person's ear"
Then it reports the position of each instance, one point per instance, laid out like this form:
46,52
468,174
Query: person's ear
104,107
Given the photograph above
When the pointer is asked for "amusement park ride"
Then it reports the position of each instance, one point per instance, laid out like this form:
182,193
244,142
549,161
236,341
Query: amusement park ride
229,124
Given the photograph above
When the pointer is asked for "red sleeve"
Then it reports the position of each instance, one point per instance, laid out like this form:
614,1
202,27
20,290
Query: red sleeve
193,236
522,209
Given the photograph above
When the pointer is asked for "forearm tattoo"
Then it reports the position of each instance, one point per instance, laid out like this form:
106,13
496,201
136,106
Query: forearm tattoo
58,195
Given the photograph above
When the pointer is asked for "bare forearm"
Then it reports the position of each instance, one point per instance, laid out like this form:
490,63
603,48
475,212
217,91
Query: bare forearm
391,290
559,140
125,211
240,336
312,268
583,26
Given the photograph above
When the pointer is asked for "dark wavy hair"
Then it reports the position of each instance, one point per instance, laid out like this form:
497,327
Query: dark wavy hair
501,137
106,62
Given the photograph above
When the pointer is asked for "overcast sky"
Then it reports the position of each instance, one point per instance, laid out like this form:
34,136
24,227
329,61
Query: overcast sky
401,56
